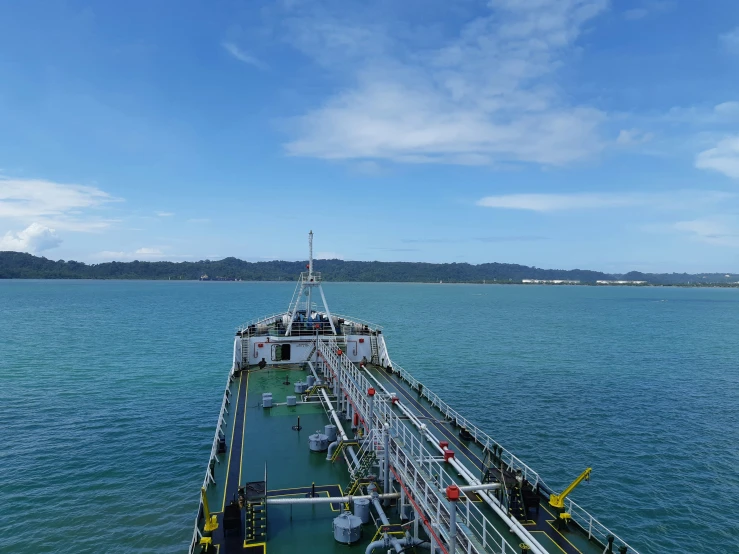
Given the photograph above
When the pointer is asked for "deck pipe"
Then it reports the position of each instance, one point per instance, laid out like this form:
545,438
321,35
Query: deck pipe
334,415
385,521
405,541
453,528
386,436
340,429
520,531
327,499
371,410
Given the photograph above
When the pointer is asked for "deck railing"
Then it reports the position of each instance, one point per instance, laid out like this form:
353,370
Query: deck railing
421,473
209,478
264,320
350,319
594,528
269,319
482,438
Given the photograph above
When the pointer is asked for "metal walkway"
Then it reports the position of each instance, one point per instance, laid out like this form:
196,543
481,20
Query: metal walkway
421,474
544,520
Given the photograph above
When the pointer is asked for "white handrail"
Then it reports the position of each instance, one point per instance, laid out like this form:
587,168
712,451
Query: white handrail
411,459
209,479
583,518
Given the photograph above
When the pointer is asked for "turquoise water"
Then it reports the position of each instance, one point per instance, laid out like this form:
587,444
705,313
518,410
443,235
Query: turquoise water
109,394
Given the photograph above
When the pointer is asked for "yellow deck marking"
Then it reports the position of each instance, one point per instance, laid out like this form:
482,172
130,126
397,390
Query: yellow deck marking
551,540
243,430
233,428
561,535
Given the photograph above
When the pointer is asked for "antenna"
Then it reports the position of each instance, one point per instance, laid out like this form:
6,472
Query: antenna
310,261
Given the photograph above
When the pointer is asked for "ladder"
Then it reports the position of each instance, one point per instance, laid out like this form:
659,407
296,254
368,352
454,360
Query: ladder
375,358
256,521
254,496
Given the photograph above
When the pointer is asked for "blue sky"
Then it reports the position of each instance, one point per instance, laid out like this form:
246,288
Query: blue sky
554,133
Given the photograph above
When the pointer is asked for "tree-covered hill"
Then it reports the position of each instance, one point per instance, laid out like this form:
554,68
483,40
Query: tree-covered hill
16,265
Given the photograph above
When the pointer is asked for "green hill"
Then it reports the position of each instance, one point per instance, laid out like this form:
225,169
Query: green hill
17,265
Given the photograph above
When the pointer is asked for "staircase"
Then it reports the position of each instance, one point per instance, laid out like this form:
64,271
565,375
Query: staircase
254,496
256,521
375,359
517,507
367,460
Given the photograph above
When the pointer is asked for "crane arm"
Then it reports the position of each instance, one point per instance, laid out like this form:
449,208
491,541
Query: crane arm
558,500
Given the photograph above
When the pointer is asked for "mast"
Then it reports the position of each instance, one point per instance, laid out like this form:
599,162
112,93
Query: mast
308,281
310,259
310,273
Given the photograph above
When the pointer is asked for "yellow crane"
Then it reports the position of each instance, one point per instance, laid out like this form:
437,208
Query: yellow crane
558,500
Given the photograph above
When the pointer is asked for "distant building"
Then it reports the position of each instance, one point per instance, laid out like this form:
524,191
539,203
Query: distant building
204,277
621,282
550,281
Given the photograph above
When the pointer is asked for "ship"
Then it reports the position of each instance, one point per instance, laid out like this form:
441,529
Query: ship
325,445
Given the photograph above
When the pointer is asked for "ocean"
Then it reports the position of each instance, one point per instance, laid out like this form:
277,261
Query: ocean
110,391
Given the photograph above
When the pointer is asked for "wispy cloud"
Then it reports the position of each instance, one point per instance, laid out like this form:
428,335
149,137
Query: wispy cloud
649,7
487,95
724,157
164,214
586,201
243,56
719,230
629,137
33,198
493,238
51,205
35,238
146,253
512,238
394,249
730,41
725,113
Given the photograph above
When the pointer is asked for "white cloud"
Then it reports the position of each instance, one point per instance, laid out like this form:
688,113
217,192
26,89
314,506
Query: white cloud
724,157
557,202
488,95
62,206
717,230
649,8
730,40
34,238
198,220
148,254
243,56
628,137
584,201
727,109
723,114
165,214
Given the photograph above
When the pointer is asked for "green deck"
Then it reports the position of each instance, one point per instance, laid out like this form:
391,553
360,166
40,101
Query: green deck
260,440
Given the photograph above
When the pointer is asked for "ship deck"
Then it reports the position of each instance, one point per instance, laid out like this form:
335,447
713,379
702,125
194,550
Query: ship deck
264,443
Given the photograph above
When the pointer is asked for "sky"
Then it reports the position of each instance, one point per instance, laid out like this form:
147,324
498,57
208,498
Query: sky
552,133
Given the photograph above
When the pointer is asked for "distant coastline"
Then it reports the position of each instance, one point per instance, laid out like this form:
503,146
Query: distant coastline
17,265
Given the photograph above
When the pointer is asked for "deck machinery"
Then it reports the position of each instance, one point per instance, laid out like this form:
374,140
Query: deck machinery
323,444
